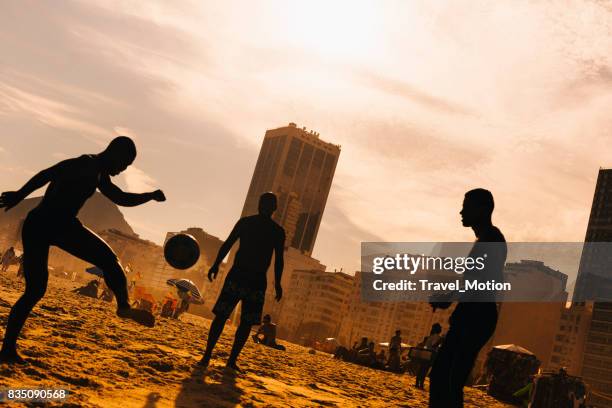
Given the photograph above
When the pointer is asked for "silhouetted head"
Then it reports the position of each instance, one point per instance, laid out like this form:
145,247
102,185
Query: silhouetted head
119,154
398,332
477,207
267,204
436,328
267,318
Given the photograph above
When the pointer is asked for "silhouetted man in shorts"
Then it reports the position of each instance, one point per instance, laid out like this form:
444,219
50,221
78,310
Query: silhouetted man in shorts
473,321
54,222
246,281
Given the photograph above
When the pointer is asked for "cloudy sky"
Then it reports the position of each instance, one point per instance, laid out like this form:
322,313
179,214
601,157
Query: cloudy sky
427,99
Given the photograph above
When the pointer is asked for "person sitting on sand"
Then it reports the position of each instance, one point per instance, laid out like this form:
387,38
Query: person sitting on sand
354,353
367,356
89,290
54,222
7,258
341,353
246,282
268,330
168,307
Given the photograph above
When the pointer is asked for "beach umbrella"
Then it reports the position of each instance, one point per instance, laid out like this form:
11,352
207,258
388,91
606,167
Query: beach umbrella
94,270
186,285
514,348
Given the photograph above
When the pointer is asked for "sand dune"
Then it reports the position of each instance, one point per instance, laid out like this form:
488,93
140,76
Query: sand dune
79,344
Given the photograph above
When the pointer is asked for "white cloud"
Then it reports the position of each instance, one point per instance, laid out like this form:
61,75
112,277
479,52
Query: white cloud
138,181
15,101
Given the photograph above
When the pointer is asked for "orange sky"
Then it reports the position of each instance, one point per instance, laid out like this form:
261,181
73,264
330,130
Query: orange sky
428,99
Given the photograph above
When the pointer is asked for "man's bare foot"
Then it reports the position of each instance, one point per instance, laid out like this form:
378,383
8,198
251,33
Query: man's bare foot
139,316
11,357
234,367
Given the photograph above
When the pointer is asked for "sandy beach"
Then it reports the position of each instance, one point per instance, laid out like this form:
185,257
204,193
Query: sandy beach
77,343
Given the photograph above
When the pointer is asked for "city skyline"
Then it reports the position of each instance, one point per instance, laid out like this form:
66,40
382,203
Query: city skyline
190,82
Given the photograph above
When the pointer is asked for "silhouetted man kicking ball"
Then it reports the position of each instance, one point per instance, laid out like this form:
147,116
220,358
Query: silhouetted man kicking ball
54,222
475,317
246,282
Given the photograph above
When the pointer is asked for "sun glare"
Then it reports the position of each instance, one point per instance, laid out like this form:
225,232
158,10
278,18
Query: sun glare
335,29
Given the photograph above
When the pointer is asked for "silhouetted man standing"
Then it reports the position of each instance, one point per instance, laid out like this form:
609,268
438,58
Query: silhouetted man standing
54,222
474,319
246,281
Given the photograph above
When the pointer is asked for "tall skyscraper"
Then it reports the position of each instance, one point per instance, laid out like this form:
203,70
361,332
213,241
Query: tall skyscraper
299,167
593,277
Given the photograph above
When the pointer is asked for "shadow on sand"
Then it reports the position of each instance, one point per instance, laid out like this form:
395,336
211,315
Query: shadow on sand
215,386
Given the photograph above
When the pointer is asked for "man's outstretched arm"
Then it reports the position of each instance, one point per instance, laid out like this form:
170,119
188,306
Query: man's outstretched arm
279,265
120,197
9,199
224,250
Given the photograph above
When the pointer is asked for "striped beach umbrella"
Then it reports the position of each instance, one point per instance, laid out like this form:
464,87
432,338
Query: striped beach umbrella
186,285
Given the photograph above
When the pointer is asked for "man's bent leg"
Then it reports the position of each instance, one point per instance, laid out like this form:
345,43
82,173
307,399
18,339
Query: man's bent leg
36,253
86,245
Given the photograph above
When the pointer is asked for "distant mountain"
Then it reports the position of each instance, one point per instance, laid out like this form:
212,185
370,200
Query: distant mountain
98,213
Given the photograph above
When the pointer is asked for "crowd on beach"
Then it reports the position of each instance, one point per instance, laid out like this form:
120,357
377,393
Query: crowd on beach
401,358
